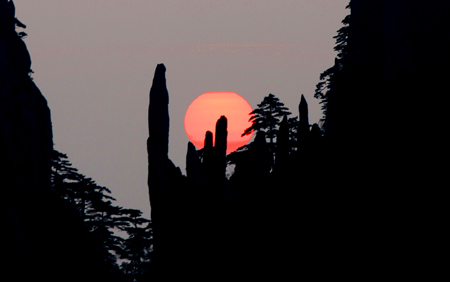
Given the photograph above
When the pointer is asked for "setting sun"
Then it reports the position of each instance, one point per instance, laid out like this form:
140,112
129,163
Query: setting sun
203,113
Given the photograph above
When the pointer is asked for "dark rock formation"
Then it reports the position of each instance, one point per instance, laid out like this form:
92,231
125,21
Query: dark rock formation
252,206
386,132
158,166
220,154
40,239
187,212
25,146
208,155
208,147
166,183
208,141
251,175
303,126
158,142
213,164
158,117
194,172
220,143
304,152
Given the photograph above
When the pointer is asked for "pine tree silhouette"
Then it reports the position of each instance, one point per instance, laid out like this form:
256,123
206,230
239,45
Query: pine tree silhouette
267,118
137,248
93,205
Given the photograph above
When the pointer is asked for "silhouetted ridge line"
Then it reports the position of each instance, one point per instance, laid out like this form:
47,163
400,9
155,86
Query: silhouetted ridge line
40,237
390,54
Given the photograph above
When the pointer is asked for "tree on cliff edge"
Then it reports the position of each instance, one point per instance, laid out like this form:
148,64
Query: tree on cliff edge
92,205
329,79
267,117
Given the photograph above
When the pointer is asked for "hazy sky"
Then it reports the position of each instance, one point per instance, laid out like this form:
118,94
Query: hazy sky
94,62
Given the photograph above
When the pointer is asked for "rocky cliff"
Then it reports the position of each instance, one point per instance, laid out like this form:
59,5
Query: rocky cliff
39,237
25,146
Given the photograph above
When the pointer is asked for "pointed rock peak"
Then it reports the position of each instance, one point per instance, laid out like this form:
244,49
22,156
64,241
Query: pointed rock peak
222,122
160,68
7,8
158,92
158,113
160,72
221,135
303,110
208,140
191,147
303,100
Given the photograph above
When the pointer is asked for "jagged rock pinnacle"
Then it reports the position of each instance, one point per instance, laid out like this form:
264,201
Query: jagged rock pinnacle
158,114
303,109
208,141
221,135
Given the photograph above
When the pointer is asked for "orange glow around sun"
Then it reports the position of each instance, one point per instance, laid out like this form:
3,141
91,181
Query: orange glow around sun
203,113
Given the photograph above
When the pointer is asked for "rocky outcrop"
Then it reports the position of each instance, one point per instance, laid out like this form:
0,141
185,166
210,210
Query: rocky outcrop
303,126
386,133
251,175
158,141
25,146
40,239
193,170
208,158
220,144
219,159
167,197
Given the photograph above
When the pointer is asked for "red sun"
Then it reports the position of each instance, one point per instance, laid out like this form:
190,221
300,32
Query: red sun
203,113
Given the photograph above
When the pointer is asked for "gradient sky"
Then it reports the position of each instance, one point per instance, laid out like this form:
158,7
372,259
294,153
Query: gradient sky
94,62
